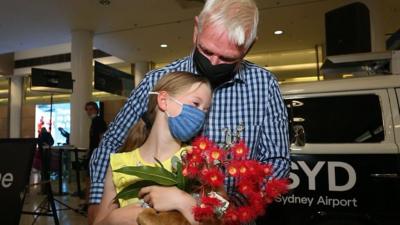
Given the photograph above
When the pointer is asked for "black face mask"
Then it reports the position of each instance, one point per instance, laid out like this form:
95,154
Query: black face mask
216,74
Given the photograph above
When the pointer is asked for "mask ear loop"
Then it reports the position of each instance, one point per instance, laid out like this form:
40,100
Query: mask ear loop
175,100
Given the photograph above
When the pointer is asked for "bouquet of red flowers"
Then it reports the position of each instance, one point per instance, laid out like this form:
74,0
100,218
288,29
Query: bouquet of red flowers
211,165
203,169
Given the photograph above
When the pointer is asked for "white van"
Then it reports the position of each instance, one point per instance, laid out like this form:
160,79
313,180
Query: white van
345,153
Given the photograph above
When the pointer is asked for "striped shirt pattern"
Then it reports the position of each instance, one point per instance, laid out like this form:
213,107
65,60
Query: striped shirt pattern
252,99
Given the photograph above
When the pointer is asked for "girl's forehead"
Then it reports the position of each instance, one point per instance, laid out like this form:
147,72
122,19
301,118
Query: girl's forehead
197,89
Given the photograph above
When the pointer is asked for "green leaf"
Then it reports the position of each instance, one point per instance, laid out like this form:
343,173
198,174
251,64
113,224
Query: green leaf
181,180
159,162
132,190
162,166
159,175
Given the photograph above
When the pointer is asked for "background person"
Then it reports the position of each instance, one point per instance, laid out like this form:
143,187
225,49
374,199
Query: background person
45,138
97,128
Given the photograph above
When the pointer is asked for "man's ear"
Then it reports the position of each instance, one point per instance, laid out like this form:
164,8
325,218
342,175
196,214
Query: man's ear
162,98
195,29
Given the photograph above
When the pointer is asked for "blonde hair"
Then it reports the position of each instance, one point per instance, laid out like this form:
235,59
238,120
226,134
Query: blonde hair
238,17
174,83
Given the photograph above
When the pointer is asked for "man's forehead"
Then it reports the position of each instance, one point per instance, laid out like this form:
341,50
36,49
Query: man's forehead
215,39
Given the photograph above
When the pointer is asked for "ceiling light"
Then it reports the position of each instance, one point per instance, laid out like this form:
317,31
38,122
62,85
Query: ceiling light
278,32
163,45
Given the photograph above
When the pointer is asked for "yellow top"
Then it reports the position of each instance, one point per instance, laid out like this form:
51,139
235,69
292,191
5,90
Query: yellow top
133,158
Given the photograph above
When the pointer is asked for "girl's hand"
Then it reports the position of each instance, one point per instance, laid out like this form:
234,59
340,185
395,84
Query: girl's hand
162,198
169,198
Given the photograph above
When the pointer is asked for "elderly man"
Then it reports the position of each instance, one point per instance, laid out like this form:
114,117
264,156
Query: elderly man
246,97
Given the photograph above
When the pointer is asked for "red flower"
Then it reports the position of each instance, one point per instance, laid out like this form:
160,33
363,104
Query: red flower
233,169
215,153
194,158
213,177
193,154
204,171
210,201
252,166
193,150
203,211
191,170
239,150
202,143
255,169
246,214
243,170
276,187
246,187
267,169
231,217
257,203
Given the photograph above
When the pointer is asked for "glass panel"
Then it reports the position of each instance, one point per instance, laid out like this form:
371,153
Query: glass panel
337,119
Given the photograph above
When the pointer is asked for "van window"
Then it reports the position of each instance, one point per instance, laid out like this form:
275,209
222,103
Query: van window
337,119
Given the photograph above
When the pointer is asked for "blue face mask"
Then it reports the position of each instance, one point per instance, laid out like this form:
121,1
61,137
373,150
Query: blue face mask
187,124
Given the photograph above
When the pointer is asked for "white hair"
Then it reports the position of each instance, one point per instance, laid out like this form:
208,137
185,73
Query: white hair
239,18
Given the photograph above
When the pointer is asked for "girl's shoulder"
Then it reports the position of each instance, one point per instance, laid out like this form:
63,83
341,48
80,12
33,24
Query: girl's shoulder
123,154
121,159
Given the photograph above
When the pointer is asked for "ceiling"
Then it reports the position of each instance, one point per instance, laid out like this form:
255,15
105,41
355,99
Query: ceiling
133,30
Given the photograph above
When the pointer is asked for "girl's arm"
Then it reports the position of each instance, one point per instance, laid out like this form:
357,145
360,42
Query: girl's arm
109,212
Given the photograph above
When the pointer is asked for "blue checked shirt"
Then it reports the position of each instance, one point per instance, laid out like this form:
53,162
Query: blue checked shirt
252,98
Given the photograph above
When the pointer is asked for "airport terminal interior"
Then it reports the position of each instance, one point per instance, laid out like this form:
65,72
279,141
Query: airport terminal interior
57,55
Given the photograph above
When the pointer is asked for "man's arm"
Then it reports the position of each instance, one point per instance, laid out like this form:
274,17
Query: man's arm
274,143
115,136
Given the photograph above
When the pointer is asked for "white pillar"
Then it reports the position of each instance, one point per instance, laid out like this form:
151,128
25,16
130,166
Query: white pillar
141,68
82,74
15,105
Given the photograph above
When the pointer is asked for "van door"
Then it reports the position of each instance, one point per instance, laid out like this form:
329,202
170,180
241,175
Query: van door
344,157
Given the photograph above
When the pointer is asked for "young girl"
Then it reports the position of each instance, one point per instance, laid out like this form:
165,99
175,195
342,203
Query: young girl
175,114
